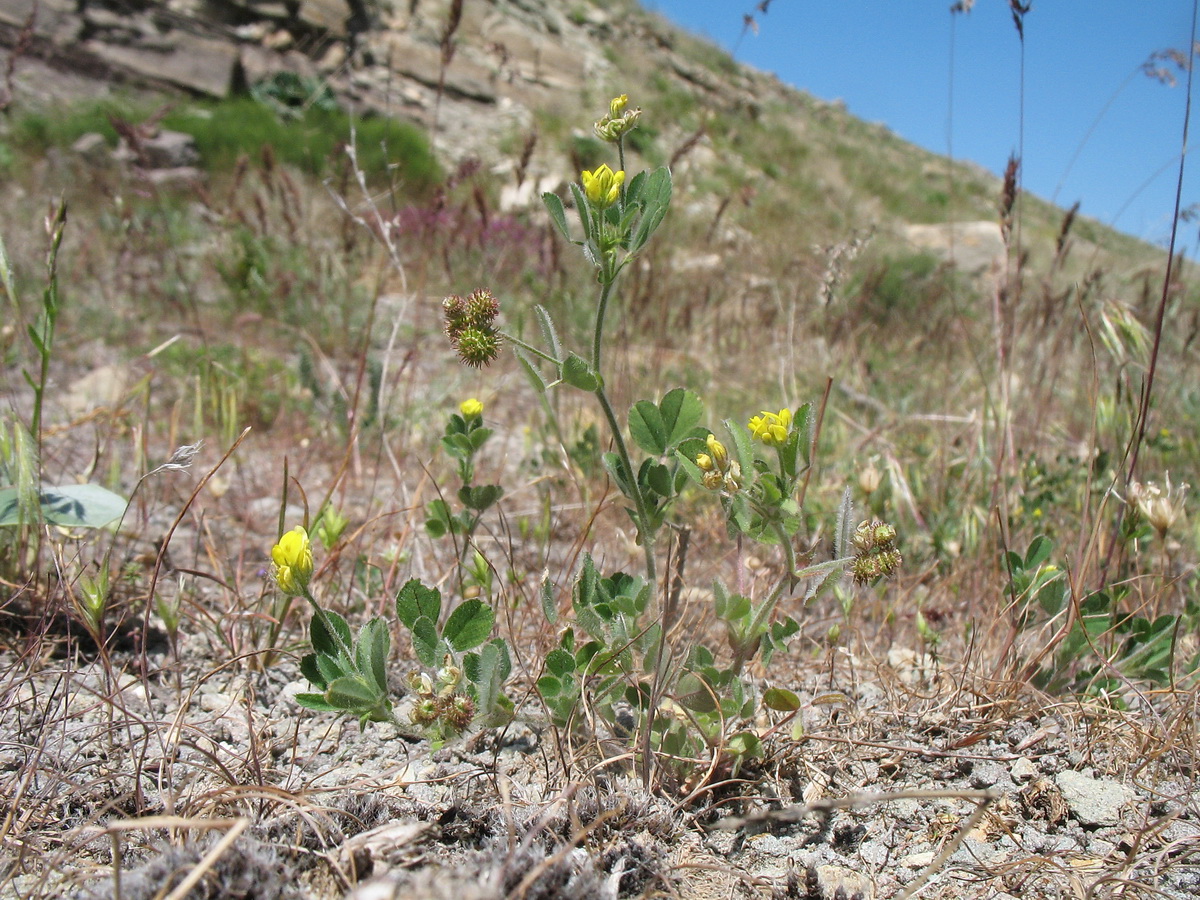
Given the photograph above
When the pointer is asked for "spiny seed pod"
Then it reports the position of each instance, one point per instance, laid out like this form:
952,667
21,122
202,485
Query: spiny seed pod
454,314
873,535
879,564
424,713
477,346
481,307
458,711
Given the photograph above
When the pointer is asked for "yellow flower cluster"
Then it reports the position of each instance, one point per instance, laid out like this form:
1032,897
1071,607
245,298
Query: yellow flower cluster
619,121
771,428
602,187
718,471
471,408
293,561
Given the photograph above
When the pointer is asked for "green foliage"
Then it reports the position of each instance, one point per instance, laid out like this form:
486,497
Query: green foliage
351,676
470,669
1132,646
296,119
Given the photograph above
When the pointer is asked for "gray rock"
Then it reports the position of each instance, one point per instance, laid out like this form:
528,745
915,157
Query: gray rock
976,247
170,150
200,64
1091,800
92,147
55,21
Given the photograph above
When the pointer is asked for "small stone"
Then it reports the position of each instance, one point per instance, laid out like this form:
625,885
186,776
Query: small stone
917,860
170,150
92,147
1091,800
1023,770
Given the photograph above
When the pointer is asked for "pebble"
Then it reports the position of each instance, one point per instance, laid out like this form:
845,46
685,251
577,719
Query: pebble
1023,770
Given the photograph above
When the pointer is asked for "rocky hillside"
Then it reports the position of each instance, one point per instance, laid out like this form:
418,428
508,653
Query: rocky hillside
482,76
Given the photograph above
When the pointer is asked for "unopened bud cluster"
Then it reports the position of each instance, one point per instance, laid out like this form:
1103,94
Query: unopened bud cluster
470,325
441,704
619,121
876,555
718,471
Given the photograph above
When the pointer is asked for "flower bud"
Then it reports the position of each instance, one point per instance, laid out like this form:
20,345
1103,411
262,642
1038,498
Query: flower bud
471,408
718,452
869,479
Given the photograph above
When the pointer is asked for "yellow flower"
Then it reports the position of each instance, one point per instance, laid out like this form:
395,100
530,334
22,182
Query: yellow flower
718,452
771,428
704,462
603,186
617,105
471,409
293,561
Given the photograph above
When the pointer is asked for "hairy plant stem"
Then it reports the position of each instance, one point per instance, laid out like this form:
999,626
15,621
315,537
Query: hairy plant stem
608,278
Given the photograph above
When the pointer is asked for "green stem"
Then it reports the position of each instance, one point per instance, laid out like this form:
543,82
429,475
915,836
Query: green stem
529,348
598,336
639,502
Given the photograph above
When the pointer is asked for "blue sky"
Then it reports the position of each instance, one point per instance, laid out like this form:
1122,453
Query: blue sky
1096,129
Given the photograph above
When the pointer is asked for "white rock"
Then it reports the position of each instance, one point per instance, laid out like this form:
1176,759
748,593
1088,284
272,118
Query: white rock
1091,800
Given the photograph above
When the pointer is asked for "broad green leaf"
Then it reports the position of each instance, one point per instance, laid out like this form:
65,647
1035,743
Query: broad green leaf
558,214
494,667
426,644
734,608
351,693
479,496
329,669
744,743
549,332
658,478
656,198
69,505
546,595
440,520
577,373
372,652
1039,551
311,669
581,207
780,699
681,412
323,640
560,662
647,429
469,625
616,469
316,702
415,600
